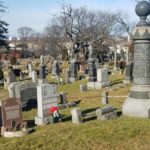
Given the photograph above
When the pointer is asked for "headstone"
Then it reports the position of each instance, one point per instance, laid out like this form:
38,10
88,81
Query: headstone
83,88
73,70
11,112
104,99
106,113
47,97
102,77
76,116
25,91
34,76
1,74
42,72
30,68
67,76
55,68
63,98
11,77
129,73
21,76
137,103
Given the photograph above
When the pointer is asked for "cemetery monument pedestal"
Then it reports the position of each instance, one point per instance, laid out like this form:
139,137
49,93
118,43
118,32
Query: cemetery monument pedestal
92,74
42,72
73,70
138,102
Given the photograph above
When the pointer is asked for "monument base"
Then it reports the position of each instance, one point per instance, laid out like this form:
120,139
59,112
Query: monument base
97,85
136,108
41,121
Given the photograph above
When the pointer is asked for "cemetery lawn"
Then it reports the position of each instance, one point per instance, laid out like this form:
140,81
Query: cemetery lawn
121,133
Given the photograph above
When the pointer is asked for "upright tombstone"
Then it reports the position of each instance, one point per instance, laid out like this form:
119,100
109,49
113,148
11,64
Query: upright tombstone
92,70
21,75
1,76
76,114
138,102
34,76
30,68
42,71
11,112
11,77
102,78
128,73
73,70
47,97
67,76
55,68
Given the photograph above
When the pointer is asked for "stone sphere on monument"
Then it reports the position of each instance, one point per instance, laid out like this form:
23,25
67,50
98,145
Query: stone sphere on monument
143,9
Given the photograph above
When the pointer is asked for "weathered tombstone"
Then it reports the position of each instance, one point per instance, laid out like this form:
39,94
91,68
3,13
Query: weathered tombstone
102,78
67,76
73,70
55,68
106,113
137,103
92,70
25,91
11,111
104,99
1,74
42,71
63,98
76,114
34,76
30,68
11,77
83,88
47,97
128,73
11,118
21,75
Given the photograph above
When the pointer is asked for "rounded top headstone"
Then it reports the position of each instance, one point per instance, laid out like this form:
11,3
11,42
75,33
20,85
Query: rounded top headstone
143,9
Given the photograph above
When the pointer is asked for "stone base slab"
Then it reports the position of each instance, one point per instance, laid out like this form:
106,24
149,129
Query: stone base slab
41,121
97,85
136,108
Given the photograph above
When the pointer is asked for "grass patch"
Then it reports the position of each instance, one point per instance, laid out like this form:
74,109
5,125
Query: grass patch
121,133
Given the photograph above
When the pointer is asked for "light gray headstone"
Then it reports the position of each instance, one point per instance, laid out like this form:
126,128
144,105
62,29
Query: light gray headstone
34,76
47,97
76,116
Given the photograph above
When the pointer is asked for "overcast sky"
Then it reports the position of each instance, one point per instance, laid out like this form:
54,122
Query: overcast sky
36,13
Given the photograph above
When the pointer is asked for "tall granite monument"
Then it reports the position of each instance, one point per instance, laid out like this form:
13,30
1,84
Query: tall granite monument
42,71
138,102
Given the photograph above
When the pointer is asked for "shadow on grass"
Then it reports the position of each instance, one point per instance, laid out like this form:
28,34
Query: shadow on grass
84,112
30,123
116,82
66,118
89,117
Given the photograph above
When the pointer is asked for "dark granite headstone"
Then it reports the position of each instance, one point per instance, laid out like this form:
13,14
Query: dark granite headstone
129,72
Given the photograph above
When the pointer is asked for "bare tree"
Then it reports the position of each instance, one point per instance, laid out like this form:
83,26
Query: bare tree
25,34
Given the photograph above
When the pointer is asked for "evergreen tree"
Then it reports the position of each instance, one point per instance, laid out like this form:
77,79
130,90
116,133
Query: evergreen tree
3,27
